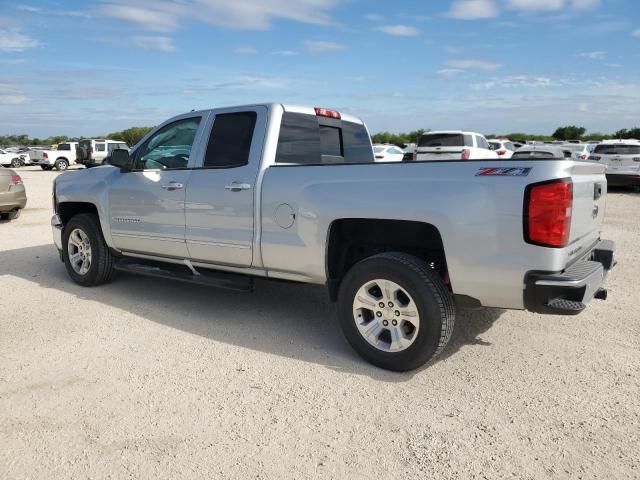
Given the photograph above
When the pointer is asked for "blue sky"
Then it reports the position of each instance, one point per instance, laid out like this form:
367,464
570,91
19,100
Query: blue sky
89,68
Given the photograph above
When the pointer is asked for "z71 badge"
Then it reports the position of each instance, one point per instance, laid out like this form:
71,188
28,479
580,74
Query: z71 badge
504,172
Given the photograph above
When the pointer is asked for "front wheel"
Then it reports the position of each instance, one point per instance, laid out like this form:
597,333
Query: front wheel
12,215
395,311
86,255
16,162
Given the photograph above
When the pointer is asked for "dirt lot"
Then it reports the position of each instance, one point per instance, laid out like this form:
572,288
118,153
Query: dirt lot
145,378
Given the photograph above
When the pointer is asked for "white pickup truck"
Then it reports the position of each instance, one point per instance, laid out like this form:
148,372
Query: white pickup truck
219,196
60,158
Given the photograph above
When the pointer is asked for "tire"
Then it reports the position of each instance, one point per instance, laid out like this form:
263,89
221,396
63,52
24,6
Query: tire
61,164
100,266
16,163
13,215
419,291
45,167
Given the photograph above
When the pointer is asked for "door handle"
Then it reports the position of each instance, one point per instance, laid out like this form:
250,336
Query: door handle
173,186
237,187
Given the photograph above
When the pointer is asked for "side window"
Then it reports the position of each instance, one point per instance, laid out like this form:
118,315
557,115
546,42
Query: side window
510,146
170,147
299,141
482,142
64,146
468,141
230,140
100,147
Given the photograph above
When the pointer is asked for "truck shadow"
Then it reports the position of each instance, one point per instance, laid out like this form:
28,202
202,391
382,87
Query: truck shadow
287,319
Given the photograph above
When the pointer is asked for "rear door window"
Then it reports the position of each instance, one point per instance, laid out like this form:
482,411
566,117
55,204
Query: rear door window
482,142
100,147
64,146
230,140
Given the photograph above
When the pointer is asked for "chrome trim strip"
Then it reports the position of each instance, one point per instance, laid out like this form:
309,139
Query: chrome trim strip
218,244
147,237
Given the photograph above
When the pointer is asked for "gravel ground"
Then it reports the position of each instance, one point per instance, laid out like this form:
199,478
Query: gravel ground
145,378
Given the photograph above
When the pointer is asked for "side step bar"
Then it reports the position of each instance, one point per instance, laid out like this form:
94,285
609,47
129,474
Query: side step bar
182,273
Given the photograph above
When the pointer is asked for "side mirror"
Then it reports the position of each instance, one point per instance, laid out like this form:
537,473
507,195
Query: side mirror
120,158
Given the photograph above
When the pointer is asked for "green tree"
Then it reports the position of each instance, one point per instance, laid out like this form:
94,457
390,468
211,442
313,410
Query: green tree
131,135
570,132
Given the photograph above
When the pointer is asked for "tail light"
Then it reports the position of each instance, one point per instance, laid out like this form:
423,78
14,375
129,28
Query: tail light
466,153
16,180
323,112
583,156
501,152
547,213
45,155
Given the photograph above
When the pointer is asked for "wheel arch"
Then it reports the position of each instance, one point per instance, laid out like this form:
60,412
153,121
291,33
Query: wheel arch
350,240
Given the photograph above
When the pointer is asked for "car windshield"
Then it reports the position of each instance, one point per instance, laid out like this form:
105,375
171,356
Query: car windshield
494,145
442,140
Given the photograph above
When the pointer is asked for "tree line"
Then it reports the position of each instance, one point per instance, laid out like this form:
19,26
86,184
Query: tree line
134,134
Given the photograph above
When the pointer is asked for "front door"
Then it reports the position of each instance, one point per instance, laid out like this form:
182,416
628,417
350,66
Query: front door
147,203
220,195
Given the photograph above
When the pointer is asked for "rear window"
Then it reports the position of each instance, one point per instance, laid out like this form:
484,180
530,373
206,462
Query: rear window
444,140
304,140
617,149
536,154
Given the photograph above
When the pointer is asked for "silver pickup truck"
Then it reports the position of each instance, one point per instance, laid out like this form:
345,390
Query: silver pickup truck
217,197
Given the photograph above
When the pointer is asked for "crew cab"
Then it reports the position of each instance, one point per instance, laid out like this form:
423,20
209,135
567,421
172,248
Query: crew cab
60,158
220,196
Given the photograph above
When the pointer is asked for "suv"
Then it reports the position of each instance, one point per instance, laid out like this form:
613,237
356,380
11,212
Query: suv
503,147
622,159
454,145
92,152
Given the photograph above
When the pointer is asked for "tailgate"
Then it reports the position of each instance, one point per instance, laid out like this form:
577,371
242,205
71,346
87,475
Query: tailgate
36,155
439,153
589,193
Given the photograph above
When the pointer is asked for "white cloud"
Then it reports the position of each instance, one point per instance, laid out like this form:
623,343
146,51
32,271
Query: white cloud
473,9
245,50
11,93
449,72
636,33
284,53
517,81
240,14
536,5
154,42
322,47
374,17
472,64
13,40
596,55
585,4
399,30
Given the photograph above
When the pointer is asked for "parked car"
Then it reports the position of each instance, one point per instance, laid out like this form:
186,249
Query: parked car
9,159
518,145
542,151
13,196
580,151
92,152
622,160
454,145
503,147
60,158
387,153
257,192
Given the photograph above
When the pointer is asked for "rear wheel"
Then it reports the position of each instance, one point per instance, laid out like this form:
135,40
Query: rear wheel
61,164
45,167
16,162
86,256
395,311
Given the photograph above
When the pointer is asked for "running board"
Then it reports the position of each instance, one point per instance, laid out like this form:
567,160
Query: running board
185,273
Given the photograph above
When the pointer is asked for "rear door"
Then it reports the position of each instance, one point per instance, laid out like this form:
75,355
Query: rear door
221,193
442,146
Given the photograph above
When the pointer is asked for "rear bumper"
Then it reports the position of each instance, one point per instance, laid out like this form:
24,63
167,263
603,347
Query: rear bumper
567,292
13,200
623,179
